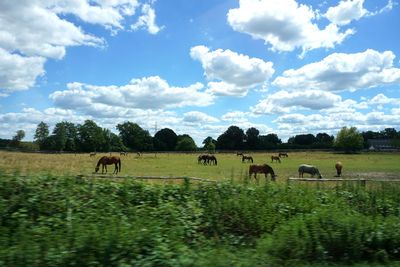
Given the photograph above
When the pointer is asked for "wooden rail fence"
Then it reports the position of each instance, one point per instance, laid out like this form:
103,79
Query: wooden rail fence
362,181
149,177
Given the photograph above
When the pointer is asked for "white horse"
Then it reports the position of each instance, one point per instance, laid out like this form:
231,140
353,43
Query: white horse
304,168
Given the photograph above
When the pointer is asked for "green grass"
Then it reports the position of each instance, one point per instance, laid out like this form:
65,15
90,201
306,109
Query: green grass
68,221
364,165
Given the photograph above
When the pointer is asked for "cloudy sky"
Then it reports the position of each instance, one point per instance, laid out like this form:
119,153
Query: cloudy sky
283,66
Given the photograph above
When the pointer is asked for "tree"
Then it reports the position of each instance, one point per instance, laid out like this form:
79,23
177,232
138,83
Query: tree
185,143
41,133
165,140
231,139
112,142
209,144
90,136
304,139
269,141
324,140
60,136
349,140
252,138
389,133
134,137
16,140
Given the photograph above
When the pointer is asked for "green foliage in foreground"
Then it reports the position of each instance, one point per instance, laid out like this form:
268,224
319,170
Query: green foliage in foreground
53,221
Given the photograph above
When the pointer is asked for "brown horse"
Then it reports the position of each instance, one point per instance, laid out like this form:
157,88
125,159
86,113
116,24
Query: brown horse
92,154
247,158
122,153
261,169
339,167
283,154
105,160
207,159
276,158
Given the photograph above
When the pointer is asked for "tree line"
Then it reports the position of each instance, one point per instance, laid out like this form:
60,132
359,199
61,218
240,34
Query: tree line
88,137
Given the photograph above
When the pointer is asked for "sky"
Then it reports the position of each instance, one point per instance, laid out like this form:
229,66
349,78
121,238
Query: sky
197,67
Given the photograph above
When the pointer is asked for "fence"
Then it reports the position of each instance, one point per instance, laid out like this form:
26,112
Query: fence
361,181
165,178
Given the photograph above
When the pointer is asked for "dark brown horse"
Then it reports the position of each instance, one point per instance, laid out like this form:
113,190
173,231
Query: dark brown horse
276,158
105,160
92,154
283,154
207,159
261,169
247,158
339,167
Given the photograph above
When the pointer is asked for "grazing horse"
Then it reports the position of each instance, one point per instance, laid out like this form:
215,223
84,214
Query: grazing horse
304,168
276,158
261,169
339,167
207,159
212,159
247,158
239,154
122,153
283,154
105,160
92,154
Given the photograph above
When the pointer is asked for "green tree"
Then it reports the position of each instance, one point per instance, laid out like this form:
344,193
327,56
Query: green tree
41,133
252,138
349,140
231,139
209,144
134,137
269,141
16,140
90,136
112,142
165,140
324,140
60,136
185,143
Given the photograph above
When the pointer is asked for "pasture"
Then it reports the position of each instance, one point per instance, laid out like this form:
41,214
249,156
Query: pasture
230,166
49,217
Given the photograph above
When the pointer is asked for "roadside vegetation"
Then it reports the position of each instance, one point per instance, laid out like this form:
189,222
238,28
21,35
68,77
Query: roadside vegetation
65,221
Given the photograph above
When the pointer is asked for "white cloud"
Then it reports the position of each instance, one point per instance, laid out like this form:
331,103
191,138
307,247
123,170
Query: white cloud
339,72
237,116
111,14
18,72
147,20
284,101
32,31
292,124
284,24
197,117
236,73
346,11
146,93
381,99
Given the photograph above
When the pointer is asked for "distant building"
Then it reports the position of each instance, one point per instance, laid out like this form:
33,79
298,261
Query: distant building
380,144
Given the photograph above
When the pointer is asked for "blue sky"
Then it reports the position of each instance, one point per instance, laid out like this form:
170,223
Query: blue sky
282,66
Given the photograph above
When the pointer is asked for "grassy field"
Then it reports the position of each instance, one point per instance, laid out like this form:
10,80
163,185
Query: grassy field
49,217
230,167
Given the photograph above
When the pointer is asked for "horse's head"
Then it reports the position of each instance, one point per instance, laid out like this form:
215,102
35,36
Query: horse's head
96,169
